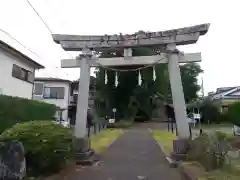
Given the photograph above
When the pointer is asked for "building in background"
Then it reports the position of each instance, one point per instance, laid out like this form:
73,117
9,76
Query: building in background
54,91
74,98
17,72
62,93
224,96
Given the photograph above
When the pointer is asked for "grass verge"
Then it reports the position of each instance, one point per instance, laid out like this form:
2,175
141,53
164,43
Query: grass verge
213,126
101,140
164,140
229,172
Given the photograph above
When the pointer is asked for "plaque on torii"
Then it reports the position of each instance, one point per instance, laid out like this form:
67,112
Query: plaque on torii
165,40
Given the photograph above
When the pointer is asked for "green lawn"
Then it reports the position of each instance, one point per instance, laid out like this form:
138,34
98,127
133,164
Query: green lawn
101,140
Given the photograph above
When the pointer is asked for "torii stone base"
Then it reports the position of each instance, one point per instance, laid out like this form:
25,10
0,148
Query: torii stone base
180,148
84,155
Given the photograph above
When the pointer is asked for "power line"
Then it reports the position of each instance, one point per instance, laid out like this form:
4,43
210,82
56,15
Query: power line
39,16
44,22
8,34
25,47
46,25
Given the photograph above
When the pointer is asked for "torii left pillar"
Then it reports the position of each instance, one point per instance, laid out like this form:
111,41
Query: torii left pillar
81,140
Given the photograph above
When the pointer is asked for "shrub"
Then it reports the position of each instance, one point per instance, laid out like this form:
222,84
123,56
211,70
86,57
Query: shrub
235,142
131,111
224,118
234,113
210,112
210,150
14,110
199,151
47,145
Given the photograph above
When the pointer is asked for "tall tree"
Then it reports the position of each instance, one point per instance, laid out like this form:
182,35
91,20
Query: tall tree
128,89
189,74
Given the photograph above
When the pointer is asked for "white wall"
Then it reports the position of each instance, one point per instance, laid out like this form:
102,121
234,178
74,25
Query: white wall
10,85
62,103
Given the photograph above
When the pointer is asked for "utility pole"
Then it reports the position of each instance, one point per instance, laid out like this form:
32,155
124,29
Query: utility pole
202,88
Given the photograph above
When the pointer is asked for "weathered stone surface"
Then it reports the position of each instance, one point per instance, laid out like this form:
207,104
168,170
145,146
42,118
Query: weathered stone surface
202,29
131,61
181,36
12,161
180,146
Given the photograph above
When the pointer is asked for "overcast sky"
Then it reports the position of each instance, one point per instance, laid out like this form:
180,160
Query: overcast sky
219,46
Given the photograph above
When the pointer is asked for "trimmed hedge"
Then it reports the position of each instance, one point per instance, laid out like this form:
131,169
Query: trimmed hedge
48,146
14,110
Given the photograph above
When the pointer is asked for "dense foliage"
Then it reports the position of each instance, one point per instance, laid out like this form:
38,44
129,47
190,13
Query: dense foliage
47,145
128,94
189,74
210,112
14,110
233,113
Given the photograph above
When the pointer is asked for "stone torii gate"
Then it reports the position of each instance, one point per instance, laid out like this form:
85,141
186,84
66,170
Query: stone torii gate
165,40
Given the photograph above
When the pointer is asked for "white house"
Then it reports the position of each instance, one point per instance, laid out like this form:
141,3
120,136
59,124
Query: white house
54,91
17,72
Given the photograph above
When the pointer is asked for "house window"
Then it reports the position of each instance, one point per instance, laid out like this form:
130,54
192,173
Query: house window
53,92
38,88
22,74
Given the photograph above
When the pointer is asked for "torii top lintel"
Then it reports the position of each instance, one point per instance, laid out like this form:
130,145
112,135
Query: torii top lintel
181,36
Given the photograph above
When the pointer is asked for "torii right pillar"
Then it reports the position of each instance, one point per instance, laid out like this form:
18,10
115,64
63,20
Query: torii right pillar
181,144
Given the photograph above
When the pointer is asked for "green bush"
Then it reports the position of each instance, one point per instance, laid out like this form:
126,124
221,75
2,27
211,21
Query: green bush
14,110
233,113
210,150
210,112
235,142
131,111
47,145
224,118
199,151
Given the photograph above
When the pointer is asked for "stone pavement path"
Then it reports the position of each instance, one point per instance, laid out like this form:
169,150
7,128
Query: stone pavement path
135,155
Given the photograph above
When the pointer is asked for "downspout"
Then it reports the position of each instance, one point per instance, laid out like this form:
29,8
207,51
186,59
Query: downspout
33,83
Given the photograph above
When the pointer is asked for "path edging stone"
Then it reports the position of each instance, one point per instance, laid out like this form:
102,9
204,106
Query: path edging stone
172,163
186,173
